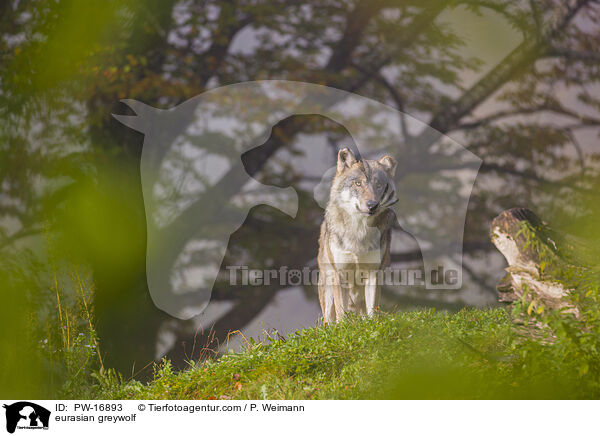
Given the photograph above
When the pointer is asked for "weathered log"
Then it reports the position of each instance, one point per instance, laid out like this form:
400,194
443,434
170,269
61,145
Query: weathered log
537,257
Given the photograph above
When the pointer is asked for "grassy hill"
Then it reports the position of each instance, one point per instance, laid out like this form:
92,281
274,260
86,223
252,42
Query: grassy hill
420,354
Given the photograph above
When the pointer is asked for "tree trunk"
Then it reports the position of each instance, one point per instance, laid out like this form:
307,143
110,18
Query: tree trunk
538,258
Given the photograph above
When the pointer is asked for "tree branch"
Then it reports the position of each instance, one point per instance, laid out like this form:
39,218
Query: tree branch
557,110
573,55
222,38
519,59
530,175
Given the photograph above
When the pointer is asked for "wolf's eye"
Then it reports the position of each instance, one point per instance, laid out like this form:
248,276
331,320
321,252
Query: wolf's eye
358,183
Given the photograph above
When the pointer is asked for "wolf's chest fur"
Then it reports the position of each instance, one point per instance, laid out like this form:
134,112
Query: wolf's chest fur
354,239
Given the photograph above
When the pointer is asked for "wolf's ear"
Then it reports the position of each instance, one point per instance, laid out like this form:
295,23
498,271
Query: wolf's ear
345,159
390,164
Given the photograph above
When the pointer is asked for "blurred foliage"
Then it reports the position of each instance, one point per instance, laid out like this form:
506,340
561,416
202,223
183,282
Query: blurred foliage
574,331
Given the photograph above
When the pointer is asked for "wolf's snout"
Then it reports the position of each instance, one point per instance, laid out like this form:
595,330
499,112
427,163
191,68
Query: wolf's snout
372,205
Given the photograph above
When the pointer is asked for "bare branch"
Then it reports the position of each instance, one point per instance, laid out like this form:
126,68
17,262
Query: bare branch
530,175
557,110
398,100
573,55
222,38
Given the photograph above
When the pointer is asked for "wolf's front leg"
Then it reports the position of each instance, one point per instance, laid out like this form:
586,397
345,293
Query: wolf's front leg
327,303
341,293
326,297
372,291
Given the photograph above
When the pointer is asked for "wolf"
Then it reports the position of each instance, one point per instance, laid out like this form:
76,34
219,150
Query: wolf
354,242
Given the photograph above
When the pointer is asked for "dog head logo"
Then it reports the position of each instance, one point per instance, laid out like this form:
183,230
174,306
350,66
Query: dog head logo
26,415
197,191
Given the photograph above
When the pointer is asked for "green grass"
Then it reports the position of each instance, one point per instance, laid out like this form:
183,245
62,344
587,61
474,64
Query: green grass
420,354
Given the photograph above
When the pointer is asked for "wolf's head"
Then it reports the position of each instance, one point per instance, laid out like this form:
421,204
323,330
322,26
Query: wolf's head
364,187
